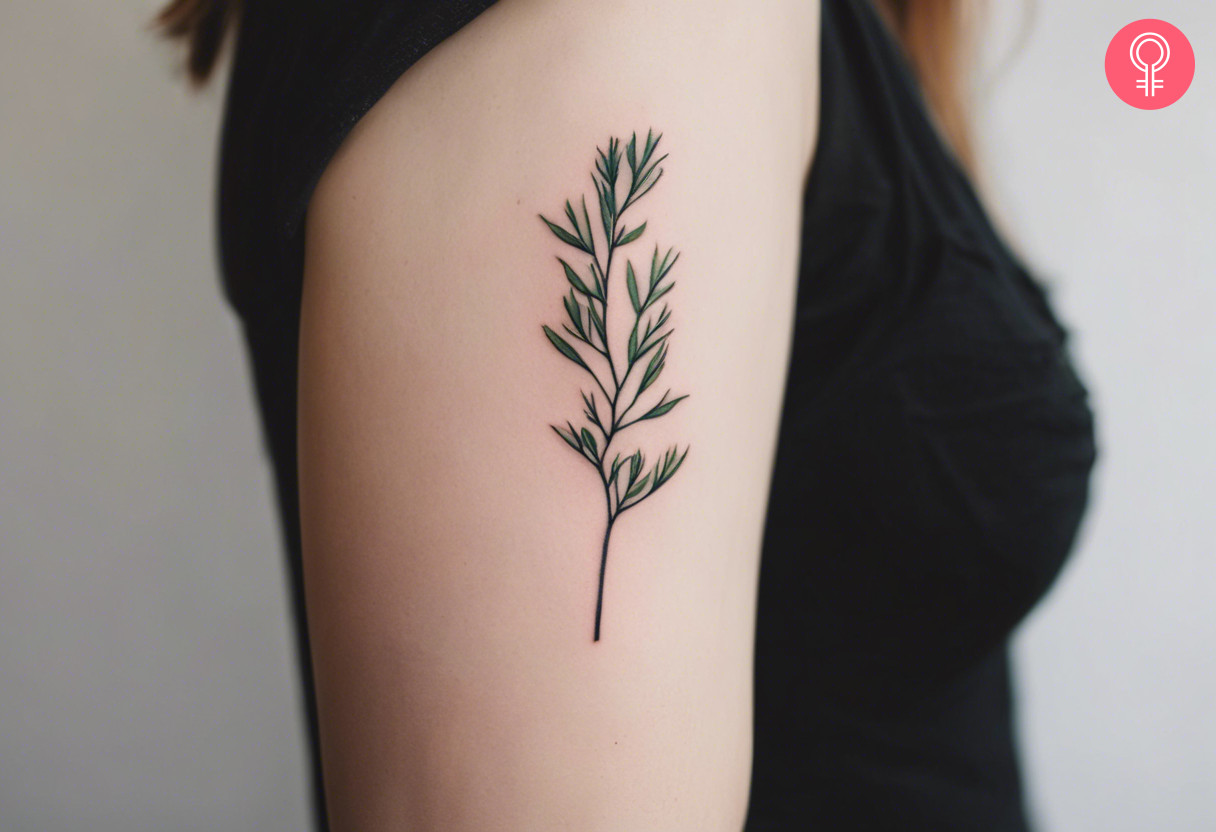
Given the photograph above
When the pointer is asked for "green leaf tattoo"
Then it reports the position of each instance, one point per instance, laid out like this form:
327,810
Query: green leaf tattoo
625,480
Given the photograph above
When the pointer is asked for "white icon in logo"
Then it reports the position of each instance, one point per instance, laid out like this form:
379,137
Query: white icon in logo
1150,84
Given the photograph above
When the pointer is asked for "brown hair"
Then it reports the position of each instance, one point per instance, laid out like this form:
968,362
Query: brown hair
936,38
932,32
203,25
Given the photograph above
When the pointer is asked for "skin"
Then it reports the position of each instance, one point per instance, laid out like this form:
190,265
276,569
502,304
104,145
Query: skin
451,540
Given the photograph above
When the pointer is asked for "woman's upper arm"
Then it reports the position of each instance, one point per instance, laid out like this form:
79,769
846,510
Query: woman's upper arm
453,541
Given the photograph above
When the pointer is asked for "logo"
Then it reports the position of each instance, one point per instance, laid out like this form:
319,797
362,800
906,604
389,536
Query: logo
1150,64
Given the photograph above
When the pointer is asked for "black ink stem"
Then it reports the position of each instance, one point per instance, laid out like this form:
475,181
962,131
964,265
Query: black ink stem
608,349
599,599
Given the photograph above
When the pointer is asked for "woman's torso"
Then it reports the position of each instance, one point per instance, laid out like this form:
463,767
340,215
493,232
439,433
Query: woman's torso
934,450
932,471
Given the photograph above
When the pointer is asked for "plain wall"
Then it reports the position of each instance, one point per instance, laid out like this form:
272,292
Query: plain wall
1117,206
146,678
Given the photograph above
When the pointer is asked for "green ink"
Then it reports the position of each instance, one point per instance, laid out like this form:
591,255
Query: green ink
586,307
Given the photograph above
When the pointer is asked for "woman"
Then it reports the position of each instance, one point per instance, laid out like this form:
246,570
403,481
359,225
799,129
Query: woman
791,324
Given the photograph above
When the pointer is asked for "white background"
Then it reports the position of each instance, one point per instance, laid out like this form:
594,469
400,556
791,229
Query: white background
1118,207
145,671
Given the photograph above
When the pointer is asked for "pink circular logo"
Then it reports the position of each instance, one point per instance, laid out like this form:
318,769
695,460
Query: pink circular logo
1150,64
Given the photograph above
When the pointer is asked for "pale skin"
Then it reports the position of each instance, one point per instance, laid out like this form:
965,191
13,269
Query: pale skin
451,541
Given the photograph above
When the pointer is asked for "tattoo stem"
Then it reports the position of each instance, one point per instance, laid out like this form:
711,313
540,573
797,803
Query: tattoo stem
605,272
599,598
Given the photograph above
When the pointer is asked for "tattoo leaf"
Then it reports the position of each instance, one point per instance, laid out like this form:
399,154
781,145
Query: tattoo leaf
658,293
653,368
669,465
576,282
574,222
566,237
597,322
589,441
570,438
564,348
632,235
616,469
637,488
632,283
575,310
662,407
605,210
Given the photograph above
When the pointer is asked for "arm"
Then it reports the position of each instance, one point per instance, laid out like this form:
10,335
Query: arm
527,610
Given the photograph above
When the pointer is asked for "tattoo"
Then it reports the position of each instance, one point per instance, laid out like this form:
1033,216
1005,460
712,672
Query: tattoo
624,478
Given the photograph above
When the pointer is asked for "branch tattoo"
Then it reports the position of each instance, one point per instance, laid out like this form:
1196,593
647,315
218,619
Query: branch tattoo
617,388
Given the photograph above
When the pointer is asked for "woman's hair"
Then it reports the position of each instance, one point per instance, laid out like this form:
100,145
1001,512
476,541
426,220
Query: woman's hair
932,33
935,36
202,25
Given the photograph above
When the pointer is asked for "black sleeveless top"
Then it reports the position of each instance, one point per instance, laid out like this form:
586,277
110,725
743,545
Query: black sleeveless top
935,446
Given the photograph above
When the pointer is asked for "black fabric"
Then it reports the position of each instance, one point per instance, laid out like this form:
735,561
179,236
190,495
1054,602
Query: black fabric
935,446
